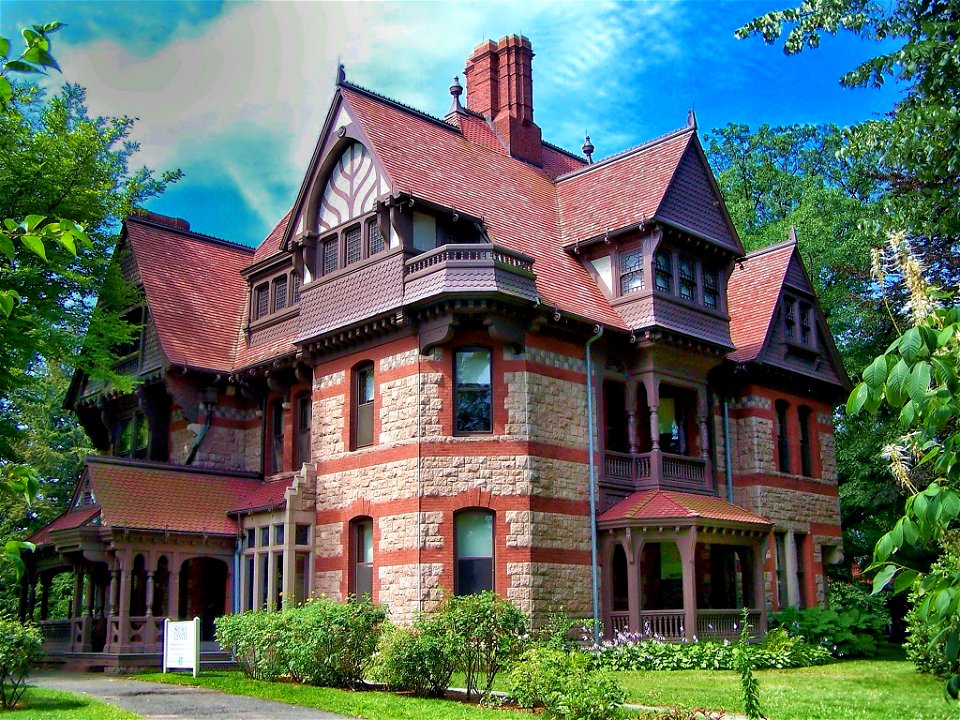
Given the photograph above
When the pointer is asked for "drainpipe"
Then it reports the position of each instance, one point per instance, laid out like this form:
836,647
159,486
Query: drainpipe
201,435
727,455
236,567
595,580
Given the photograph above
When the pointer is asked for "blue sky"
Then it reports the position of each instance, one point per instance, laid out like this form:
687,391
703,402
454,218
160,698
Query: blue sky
235,93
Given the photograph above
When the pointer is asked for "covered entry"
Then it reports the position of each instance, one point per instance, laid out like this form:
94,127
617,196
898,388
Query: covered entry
679,565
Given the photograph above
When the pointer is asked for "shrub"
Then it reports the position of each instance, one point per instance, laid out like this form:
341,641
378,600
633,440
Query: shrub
20,647
686,714
329,643
420,659
487,632
926,644
856,595
636,652
254,638
850,633
566,685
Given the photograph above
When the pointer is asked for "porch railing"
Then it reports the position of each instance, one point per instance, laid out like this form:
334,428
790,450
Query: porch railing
666,624
619,622
683,468
680,470
725,624
145,632
626,467
57,634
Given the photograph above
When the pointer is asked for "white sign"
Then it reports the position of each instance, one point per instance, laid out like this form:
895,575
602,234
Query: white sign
181,645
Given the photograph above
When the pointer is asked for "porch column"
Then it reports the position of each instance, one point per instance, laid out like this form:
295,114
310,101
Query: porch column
793,590
173,587
634,548
123,621
45,581
759,548
76,617
149,627
87,636
652,385
632,441
150,593
687,544
112,591
703,415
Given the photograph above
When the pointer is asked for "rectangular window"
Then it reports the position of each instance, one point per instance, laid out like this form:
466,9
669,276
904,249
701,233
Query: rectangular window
297,282
261,302
781,549
363,406
133,437
304,419
806,324
276,436
663,271
353,238
264,574
376,239
280,293
363,552
687,271
251,537
473,545
711,288
265,539
789,318
302,535
472,391
301,580
278,580
801,541
631,271
248,579
278,534
330,254
806,455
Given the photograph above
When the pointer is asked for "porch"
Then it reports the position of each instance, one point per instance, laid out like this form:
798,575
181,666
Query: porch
678,566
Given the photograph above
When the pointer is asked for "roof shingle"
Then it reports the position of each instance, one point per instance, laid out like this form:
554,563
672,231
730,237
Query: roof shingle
671,505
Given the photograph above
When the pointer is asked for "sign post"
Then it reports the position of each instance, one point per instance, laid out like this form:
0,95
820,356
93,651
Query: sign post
181,645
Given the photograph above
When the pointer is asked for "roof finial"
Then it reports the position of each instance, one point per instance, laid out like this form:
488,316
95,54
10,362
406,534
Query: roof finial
793,235
692,118
341,74
588,149
456,90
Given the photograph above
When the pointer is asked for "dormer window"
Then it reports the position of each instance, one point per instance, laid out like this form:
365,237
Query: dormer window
631,271
376,242
133,437
697,281
798,322
275,295
261,301
688,278
280,293
352,239
663,271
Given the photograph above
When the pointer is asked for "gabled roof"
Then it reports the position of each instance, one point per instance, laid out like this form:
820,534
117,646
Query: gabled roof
752,294
516,200
154,496
668,505
268,496
72,517
271,244
194,290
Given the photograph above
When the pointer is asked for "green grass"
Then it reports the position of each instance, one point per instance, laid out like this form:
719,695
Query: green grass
365,704
849,690
43,704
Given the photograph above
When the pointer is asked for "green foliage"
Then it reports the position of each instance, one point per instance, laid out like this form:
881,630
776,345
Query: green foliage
488,632
847,633
843,596
566,685
420,659
20,647
776,651
749,687
676,713
322,642
557,631
926,642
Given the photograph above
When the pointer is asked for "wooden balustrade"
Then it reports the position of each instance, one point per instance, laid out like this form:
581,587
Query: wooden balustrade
665,624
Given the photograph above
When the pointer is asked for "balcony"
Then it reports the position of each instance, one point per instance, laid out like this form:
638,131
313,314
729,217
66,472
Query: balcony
473,268
656,469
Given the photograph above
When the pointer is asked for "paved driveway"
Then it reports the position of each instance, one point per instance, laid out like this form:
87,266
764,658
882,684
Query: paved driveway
156,701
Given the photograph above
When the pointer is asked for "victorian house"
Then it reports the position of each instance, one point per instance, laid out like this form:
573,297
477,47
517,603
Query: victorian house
393,394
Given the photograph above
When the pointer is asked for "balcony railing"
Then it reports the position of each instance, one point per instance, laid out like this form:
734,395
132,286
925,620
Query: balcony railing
470,253
636,470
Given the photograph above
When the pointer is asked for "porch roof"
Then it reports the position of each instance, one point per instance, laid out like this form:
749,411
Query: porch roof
71,518
657,506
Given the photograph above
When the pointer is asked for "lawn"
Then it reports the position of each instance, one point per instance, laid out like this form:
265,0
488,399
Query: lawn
367,704
43,704
849,690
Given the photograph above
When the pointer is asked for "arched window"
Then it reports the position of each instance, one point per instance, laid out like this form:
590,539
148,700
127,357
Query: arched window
361,553
362,410
473,548
806,451
783,443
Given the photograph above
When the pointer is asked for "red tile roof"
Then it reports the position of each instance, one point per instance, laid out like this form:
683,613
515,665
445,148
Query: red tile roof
666,505
194,290
517,201
151,496
752,294
271,244
71,518
267,496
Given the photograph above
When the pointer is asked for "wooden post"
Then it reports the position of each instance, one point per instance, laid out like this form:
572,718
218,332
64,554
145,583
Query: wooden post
634,548
687,545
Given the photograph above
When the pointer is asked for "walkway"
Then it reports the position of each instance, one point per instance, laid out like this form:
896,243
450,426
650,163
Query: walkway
156,701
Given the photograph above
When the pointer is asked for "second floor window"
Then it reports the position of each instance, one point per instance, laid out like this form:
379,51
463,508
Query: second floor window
711,288
276,436
688,278
280,293
631,271
472,391
363,406
261,301
806,451
133,437
304,418
663,271
783,443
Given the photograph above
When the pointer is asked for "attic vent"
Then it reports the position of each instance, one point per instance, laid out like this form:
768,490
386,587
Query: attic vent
178,223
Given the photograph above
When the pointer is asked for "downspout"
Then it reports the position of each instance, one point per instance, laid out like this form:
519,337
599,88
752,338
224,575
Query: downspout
727,456
236,567
419,481
201,435
594,571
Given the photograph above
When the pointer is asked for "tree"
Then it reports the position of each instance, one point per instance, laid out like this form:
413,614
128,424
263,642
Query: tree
65,185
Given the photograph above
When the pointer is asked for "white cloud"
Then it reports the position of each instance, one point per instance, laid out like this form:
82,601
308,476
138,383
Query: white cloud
264,73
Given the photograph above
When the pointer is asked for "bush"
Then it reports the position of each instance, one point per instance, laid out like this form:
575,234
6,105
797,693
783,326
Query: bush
843,596
20,647
566,685
777,650
253,637
928,653
420,659
322,642
850,633
486,632
329,643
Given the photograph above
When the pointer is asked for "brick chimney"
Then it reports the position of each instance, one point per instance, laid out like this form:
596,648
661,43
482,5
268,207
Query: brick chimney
500,86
